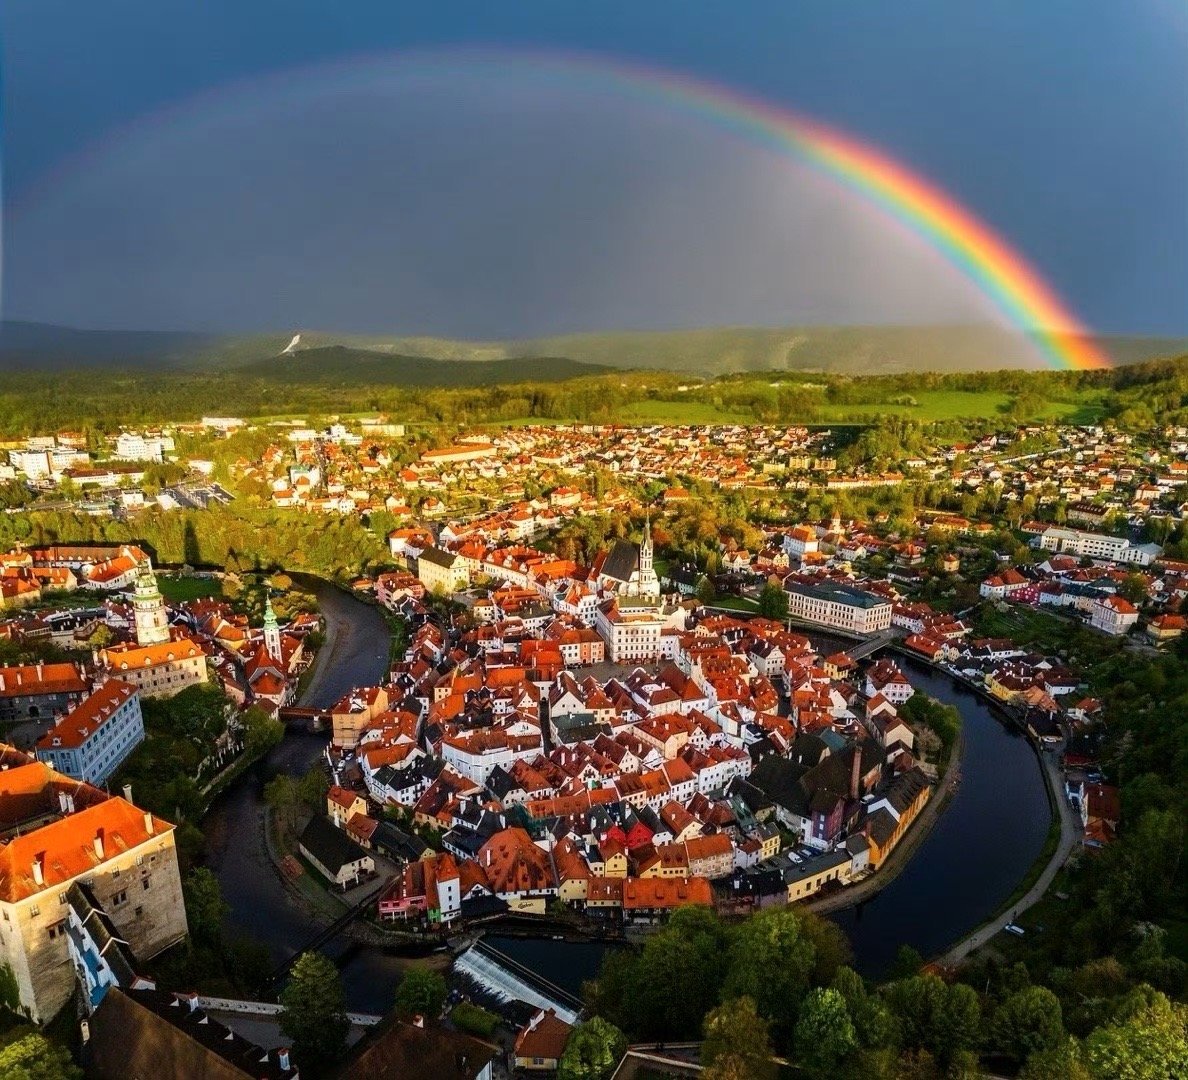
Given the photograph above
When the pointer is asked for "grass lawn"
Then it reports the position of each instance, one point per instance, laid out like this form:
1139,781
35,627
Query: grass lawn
178,589
684,412
960,404
735,603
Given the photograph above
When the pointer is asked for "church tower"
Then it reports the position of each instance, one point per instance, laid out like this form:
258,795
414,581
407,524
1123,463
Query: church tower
148,608
646,583
272,637
645,549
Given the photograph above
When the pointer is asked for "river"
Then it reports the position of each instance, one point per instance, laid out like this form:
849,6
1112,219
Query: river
978,850
261,906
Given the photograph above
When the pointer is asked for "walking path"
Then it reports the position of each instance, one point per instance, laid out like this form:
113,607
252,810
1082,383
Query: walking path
1070,838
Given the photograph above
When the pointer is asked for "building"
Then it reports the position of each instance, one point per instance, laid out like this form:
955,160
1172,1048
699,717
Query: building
395,1050
333,854
145,1032
55,831
627,569
844,607
541,1042
39,691
91,741
441,571
1113,614
1090,545
631,629
159,670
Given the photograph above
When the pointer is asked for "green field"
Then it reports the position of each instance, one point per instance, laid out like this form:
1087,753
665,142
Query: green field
962,405
179,589
684,412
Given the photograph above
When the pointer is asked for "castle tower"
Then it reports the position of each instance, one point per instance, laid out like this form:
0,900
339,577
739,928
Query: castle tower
148,608
272,637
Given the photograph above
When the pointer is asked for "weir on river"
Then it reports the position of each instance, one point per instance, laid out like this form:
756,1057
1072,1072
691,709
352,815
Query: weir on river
977,852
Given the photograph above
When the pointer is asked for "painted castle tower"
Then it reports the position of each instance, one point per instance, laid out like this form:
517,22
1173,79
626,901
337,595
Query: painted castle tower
148,608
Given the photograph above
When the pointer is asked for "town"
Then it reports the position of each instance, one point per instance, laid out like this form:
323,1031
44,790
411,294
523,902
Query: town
611,695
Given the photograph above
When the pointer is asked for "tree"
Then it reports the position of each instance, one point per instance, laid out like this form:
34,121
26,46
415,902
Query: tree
34,1057
593,1051
706,592
1027,1022
824,1033
773,602
260,731
205,907
1063,1062
280,793
421,992
314,1016
771,962
737,1042
1151,1045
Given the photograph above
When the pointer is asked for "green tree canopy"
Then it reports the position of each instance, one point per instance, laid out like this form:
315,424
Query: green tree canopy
421,992
824,1033
34,1057
314,1016
737,1042
593,1051
1028,1022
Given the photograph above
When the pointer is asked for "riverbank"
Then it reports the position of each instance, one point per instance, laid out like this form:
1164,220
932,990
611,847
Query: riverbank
900,857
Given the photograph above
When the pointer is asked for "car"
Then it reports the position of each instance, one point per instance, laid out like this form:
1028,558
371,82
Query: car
1011,928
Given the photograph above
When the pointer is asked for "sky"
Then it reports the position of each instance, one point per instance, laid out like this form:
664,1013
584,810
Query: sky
241,165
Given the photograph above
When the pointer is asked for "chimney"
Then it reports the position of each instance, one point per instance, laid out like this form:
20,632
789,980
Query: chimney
148,823
282,1058
62,802
856,773
128,792
38,870
99,843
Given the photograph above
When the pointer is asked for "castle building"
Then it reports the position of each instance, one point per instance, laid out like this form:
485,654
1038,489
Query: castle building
272,634
55,831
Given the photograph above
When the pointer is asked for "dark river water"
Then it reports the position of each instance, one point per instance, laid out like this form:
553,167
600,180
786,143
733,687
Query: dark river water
979,849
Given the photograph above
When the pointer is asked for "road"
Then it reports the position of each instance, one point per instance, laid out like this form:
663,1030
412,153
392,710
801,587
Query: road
1070,840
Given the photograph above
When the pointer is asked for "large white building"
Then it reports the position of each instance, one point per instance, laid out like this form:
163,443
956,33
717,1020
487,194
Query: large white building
92,740
630,628
1097,546
845,607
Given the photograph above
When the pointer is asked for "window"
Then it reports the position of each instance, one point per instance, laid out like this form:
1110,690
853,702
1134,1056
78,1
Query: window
35,911
145,882
57,930
61,898
121,897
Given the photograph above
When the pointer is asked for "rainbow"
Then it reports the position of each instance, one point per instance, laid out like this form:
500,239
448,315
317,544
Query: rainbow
999,272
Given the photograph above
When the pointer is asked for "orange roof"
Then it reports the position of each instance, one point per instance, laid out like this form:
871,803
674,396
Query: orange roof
70,846
665,892
124,657
88,716
41,679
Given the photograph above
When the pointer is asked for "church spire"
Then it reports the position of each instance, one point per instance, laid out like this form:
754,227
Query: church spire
272,638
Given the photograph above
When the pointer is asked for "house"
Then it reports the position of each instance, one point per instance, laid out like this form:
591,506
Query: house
396,1050
441,571
145,1032
1113,615
541,1042
333,854
93,739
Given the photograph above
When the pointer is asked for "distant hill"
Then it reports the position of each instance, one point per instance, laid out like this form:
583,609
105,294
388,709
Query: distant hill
337,365
849,350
